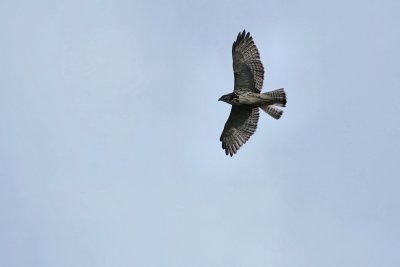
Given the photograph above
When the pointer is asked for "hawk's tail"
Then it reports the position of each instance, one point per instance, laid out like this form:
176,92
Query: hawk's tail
277,97
274,98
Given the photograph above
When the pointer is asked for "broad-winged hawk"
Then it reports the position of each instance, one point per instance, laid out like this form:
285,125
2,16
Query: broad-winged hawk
247,97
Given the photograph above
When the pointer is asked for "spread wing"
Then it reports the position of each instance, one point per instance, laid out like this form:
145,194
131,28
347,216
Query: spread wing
240,126
247,66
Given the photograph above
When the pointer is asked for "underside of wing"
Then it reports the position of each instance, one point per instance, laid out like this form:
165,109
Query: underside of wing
240,126
247,66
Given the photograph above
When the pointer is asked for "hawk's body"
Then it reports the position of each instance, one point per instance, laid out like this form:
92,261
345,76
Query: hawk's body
247,97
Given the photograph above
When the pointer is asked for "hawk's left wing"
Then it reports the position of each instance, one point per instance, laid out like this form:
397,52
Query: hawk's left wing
247,66
240,126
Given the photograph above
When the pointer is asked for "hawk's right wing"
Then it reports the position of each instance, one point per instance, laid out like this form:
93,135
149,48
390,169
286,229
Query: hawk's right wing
247,66
241,124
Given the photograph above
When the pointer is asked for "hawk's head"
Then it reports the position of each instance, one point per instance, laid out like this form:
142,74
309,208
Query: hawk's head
228,98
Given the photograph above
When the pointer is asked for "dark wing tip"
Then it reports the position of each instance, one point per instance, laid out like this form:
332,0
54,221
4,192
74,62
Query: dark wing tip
242,37
229,150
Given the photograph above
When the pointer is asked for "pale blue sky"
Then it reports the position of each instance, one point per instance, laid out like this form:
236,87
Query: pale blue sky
110,125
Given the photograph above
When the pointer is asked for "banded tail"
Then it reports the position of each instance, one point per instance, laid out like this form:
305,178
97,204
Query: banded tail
274,98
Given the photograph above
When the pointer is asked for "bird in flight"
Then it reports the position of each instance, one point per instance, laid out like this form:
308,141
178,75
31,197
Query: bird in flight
247,98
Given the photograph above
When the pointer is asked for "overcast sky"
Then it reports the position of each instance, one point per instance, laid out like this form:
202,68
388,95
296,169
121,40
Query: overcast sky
110,125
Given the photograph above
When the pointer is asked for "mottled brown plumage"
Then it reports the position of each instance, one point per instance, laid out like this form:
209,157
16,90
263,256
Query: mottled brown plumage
247,66
246,98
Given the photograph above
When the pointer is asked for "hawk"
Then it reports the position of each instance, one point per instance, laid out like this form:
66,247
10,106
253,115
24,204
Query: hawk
247,98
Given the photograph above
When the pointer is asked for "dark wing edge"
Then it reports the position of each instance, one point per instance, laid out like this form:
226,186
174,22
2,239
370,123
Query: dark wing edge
240,126
247,66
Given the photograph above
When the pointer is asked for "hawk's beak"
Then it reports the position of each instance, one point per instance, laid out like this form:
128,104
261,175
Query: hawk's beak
220,99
